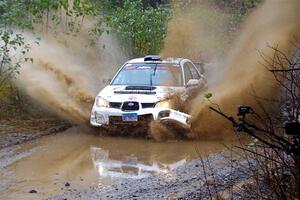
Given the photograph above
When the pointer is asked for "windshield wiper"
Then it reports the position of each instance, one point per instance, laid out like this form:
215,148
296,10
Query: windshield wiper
152,74
155,69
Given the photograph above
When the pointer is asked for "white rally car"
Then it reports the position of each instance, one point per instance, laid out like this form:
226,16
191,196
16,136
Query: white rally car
140,92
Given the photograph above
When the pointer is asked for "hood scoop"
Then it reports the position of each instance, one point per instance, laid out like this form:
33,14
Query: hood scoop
134,92
140,88
137,90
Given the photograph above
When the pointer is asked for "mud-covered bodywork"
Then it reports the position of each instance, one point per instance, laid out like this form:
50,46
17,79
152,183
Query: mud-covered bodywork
140,93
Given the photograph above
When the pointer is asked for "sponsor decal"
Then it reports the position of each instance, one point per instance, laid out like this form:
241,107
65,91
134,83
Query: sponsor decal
151,66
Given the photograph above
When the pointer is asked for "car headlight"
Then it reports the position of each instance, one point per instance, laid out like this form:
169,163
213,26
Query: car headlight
100,102
163,104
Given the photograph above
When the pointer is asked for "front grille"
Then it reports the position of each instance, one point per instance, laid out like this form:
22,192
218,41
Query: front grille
130,106
148,105
115,105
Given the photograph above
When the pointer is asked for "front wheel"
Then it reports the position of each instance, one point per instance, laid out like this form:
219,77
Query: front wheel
164,130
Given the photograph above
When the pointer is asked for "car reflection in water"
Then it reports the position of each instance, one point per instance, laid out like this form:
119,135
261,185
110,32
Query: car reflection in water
128,167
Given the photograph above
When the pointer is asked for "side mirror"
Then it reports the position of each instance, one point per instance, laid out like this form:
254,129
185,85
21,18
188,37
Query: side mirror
192,82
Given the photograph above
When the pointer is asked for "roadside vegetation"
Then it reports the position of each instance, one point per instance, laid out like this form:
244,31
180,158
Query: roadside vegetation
274,152
140,27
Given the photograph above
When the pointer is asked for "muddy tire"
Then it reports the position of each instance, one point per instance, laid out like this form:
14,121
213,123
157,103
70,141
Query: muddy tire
162,131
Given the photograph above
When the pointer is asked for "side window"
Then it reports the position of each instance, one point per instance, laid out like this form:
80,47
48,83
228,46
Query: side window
187,73
194,72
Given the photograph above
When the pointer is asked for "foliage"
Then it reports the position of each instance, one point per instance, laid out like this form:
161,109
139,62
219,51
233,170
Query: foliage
26,14
110,5
13,50
239,9
243,8
208,95
141,30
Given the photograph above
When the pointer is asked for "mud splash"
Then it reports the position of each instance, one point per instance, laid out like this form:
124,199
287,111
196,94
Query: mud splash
274,23
197,31
68,71
240,74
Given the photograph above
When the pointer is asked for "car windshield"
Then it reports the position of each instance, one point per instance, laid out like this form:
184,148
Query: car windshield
145,74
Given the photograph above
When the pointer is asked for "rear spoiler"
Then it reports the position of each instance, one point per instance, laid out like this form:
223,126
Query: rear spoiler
200,66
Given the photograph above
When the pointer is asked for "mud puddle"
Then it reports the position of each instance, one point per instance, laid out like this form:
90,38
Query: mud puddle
77,159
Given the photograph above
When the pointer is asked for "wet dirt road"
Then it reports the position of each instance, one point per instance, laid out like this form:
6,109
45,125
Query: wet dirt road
56,163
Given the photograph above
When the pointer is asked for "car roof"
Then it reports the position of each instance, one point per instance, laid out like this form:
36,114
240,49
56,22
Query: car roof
167,60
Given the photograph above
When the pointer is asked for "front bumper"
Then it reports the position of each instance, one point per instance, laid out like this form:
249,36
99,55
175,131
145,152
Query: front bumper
113,116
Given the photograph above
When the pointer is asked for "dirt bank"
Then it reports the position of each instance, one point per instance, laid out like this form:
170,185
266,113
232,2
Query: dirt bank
18,131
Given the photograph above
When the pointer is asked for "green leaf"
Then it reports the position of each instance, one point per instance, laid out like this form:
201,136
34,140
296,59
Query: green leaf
208,95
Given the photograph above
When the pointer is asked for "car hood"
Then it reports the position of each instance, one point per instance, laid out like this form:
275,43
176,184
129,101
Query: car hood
122,93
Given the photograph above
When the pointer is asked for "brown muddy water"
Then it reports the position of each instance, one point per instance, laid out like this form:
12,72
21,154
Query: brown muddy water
82,159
